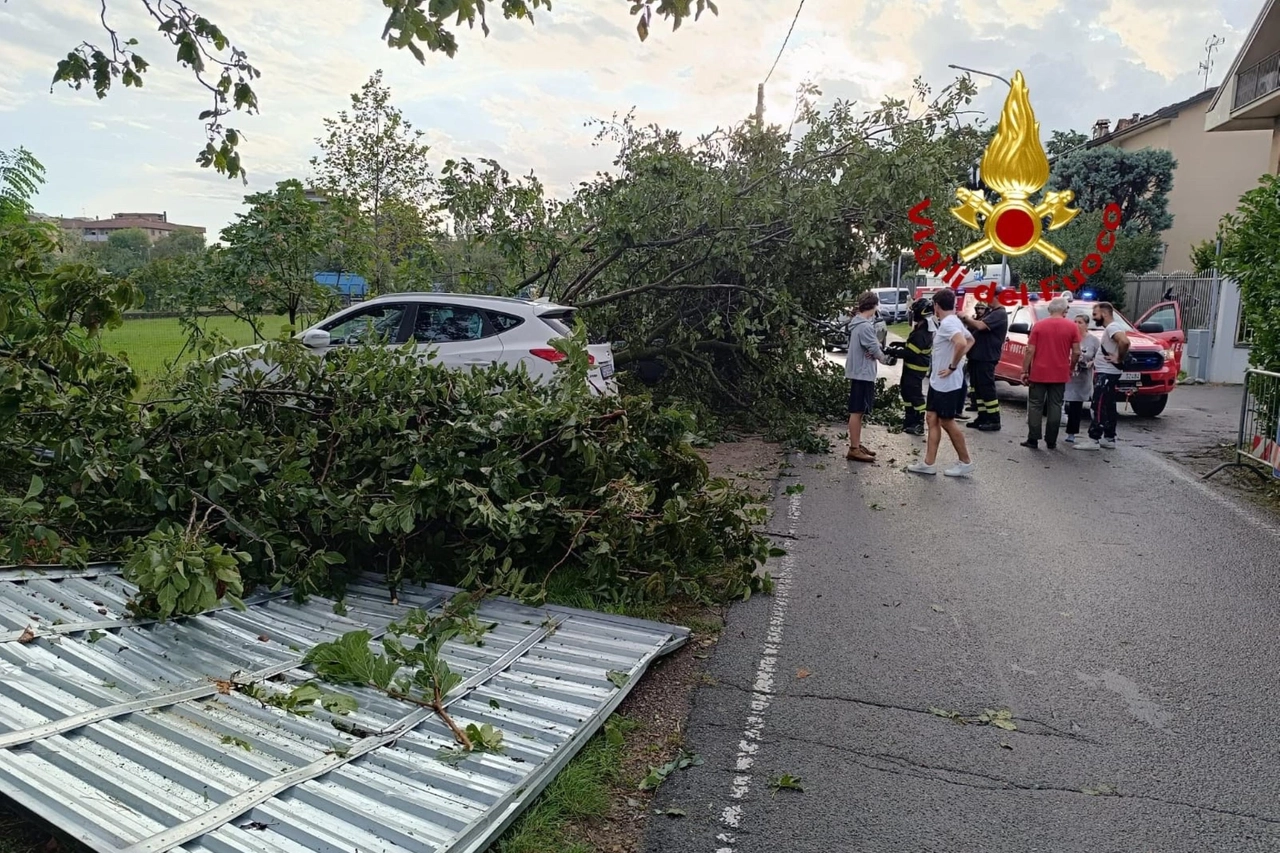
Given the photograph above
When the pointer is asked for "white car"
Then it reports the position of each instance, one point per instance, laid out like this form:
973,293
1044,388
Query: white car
464,331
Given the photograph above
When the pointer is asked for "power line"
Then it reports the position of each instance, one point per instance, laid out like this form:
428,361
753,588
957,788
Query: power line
784,41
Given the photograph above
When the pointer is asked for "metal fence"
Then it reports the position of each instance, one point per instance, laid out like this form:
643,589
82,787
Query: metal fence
1196,294
1258,437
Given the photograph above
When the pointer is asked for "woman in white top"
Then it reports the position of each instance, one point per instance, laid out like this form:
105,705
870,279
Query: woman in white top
1080,387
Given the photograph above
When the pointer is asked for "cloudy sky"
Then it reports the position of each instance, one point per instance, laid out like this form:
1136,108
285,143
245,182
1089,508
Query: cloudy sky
524,94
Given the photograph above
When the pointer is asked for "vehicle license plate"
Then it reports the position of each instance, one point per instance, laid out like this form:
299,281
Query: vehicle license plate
606,370
1133,378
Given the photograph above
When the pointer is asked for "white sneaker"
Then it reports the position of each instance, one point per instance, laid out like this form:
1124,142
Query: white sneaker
1088,445
922,468
1107,444
960,469
1070,439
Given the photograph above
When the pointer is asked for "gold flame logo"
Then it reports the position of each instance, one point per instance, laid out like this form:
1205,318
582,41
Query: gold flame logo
1015,166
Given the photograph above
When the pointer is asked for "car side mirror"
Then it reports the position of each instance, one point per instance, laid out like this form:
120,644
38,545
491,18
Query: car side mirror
1020,329
1151,328
315,338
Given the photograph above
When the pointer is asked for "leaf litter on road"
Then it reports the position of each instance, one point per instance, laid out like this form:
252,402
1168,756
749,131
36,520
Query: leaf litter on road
1001,719
786,782
658,775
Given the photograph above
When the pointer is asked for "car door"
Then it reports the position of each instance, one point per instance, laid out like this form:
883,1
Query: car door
461,337
379,322
1174,337
1015,345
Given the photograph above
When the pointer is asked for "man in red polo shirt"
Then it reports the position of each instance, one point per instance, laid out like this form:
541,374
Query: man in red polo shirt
1054,346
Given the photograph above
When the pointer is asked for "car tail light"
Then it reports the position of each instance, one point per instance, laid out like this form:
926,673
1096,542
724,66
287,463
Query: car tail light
554,355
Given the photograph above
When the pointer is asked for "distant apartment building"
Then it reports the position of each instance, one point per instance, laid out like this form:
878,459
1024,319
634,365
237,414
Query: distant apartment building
155,225
1213,170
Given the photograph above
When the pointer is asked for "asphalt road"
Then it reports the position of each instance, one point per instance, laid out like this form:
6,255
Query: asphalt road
1125,614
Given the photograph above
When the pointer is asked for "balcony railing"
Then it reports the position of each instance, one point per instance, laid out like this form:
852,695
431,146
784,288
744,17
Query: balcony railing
1257,81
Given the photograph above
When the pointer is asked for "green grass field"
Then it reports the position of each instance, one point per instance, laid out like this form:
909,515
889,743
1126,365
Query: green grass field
153,345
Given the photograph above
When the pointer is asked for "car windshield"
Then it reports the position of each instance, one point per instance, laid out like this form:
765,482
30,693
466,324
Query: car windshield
1078,310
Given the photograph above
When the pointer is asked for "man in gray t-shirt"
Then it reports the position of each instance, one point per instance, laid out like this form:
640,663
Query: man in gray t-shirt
1112,351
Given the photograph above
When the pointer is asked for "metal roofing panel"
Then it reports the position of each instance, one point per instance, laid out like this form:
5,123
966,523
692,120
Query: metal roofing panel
118,732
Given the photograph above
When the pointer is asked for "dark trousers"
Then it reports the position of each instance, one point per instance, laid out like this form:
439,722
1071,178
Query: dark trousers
1044,399
1075,409
912,387
1105,393
983,376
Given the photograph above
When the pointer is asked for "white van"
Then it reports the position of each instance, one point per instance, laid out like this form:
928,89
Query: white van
895,303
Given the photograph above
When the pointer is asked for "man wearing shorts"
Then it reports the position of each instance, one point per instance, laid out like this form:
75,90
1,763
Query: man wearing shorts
860,367
946,388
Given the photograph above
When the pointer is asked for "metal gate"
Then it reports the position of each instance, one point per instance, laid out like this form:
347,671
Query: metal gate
1196,294
1258,436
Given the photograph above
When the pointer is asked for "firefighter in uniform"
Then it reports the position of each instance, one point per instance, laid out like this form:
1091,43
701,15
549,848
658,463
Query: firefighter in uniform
989,326
916,354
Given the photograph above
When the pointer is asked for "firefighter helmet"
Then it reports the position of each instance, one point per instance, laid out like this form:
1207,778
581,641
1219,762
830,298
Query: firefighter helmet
921,309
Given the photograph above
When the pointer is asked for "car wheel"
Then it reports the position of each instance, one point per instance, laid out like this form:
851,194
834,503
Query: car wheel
1149,406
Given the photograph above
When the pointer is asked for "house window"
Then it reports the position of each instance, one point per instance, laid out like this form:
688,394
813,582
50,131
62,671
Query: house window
1244,332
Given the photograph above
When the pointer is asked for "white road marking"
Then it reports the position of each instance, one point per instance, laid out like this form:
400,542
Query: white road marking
762,690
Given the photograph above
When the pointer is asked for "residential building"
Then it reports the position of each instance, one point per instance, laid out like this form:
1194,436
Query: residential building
1213,170
156,225
1248,101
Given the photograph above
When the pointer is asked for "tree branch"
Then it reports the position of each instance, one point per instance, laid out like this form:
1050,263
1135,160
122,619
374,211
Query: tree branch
674,274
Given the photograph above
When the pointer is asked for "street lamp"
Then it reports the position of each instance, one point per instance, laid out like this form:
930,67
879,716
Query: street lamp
1004,260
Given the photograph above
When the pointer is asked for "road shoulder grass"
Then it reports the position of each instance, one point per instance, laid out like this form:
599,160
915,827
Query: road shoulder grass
610,812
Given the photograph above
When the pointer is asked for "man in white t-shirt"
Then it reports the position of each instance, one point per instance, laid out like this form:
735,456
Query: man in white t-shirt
1106,378
946,387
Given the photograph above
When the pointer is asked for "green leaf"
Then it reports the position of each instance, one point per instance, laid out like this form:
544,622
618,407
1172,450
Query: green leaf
786,782
339,703
36,487
305,693
349,660
618,679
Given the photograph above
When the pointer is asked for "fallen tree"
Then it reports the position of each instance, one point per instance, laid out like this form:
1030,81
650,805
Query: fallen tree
714,262
368,459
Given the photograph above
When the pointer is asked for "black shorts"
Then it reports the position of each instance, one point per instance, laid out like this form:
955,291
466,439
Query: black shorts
947,405
862,396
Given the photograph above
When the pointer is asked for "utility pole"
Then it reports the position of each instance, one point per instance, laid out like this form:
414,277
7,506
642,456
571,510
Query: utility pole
760,107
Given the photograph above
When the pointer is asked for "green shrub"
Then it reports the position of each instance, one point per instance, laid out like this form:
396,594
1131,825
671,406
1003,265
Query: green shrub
368,459
1250,237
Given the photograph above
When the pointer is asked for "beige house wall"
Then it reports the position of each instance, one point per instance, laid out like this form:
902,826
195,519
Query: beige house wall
1214,170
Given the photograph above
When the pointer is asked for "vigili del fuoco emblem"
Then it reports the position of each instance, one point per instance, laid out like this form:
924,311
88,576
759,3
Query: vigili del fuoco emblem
1015,166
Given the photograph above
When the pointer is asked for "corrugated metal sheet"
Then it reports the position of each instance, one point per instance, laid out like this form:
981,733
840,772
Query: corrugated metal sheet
118,733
